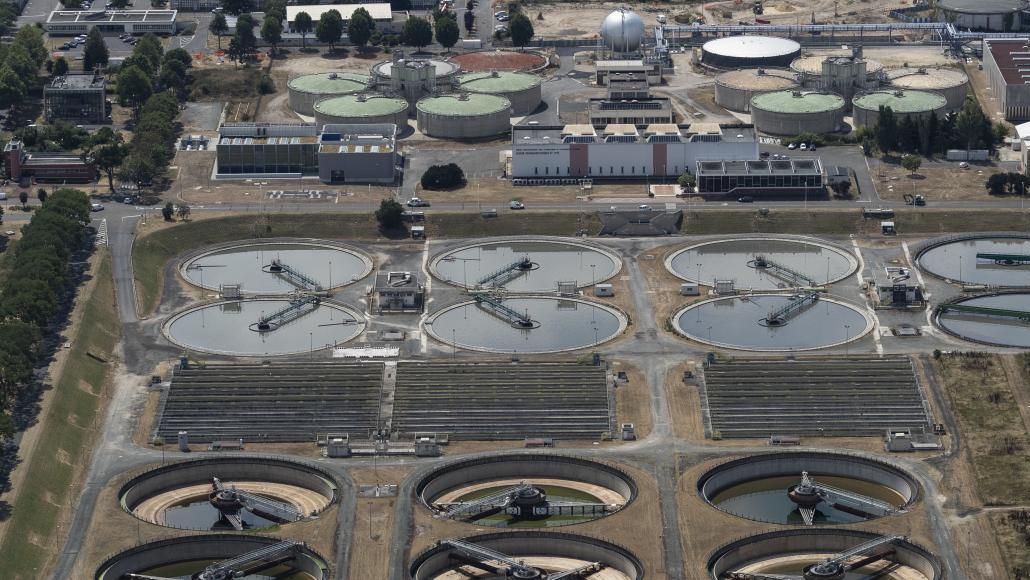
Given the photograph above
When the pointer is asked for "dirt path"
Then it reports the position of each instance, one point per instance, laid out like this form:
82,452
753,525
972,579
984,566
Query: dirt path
1020,389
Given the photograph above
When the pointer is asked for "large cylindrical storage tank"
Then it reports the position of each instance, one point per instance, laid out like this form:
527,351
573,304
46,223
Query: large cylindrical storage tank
950,82
795,112
734,89
351,109
521,89
749,51
811,67
915,104
991,15
307,90
464,116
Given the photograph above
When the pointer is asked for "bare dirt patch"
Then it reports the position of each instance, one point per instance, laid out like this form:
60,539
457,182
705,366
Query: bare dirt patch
936,181
499,60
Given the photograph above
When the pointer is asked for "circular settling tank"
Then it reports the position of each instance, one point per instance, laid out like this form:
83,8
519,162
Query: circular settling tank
186,556
555,490
530,324
542,551
230,327
738,260
552,262
794,552
250,266
998,263
747,322
186,496
990,327
764,488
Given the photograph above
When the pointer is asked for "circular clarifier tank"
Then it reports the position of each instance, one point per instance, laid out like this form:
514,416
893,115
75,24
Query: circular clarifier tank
763,263
778,487
231,327
206,494
526,324
750,323
795,553
547,490
1002,261
539,553
550,262
187,556
1006,324
251,266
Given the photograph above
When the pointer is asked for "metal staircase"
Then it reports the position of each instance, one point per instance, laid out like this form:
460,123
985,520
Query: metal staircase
783,272
494,306
1000,312
781,315
298,307
500,499
1005,259
506,273
294,276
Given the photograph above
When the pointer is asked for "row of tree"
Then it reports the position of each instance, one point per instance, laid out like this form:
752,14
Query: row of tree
970,128
20,61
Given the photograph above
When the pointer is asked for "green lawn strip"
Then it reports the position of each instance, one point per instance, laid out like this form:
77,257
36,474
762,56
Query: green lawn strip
70,413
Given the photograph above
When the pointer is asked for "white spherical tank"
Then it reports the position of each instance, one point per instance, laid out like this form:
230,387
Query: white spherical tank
622,31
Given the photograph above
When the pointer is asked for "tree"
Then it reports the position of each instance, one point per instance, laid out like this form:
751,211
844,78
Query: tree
969,124
183,211
60,66
932,133
138,169
272,31
150,48
246,42
31,39
360,27
219,27
470,21
41,195
275,9
417,32
446,176
106,150
234,52
996,183
236,7
912,163
330,29
886,130
687,181
168,211
23,197
447,32
908,135
390,214
521,30
12,88
302,24
134,87
179,55
95,54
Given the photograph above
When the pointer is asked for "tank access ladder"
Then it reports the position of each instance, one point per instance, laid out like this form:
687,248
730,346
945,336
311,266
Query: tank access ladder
1005,259
784,272
507,273
500,499
494,306
298,307
252,562
294,276
786,312
1000,312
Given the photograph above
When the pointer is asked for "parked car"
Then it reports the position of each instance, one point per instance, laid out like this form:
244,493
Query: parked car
765,155
745,199
516,204
96,207
792,146
644,207
804,147
416,202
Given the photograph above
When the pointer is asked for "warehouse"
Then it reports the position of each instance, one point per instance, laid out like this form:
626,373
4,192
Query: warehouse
42,167
380,13
1007,64
76,98
649,111
760,177
623,151
652,71
75,22
357,153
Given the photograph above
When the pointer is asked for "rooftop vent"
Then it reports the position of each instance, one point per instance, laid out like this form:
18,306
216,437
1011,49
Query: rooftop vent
899,93
334,76
494,74
797,94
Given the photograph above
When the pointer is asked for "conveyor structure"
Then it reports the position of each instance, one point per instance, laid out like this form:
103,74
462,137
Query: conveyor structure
1022,315
242,566
494,305
506,273
1005,259
781,315
783,272
294,276
230,501
835,567
810,493
521,500
298,307
503,565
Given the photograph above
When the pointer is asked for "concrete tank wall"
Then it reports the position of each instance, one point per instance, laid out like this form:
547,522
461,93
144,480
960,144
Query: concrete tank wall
303,101
734,93
869,117
951,83
471,126
399,118
802,541
788,123
482,469
430,563
202,547
200,471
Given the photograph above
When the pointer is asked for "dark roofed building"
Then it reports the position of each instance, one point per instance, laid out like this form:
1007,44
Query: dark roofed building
45,167
76,98
760,177
1007,64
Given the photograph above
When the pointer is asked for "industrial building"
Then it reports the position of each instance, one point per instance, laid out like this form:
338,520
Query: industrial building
845,76
360,109
76,98
990,15
791,176
622,36
733,52
650,111
414,78
734,89
199,5
604,69
306,90
521,89
796,112
1006,65
914,104
379,11
811,67
464,116
21,165
950,82
623,151
75,22
398,292
335,153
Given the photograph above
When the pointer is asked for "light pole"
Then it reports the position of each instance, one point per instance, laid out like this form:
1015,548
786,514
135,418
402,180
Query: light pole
847,337
959,269
311,345
593,277
699,273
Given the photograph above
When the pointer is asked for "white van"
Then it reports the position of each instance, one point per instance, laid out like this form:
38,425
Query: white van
3,196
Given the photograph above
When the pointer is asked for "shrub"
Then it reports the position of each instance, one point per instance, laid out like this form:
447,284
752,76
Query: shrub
439,177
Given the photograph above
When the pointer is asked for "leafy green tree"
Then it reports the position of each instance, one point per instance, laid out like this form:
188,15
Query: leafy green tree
106,150
23,197
219,27
179,55
931,135
470,20
912,163
95,54
31,39
12,90
417,32
446,176
236,7
886,130
447,32
687,181
41,195
360,27
330,29
908,135
521,29
150,48
303,25
139,169
969,124
23,65
134,87
997,183
272,32
246,42
168,211
390,214
276,9
60,66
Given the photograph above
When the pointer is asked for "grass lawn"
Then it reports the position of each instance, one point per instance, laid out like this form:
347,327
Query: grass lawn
61,452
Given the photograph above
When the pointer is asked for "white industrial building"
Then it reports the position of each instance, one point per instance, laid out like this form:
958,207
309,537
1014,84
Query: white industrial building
75,22
379,11
1007,65
623,151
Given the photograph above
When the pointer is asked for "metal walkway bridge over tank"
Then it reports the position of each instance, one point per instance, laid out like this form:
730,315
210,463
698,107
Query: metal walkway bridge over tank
230,501
836,567
494,305
781,315
242,566
294,276
506,273
503,565
1005,259
1022,315
783,272
810,493
298,307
